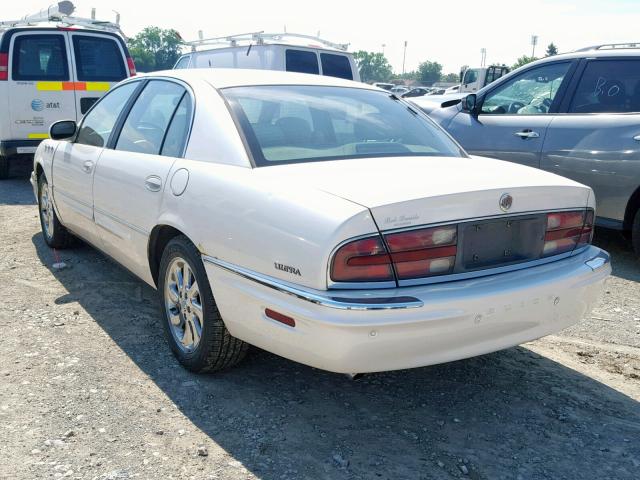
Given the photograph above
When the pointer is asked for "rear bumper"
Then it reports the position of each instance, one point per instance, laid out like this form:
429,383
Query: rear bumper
18,147
378,330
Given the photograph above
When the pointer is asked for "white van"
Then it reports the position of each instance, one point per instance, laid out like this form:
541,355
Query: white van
277,51
52,70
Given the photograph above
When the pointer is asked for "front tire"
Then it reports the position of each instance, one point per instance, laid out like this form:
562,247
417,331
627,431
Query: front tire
635,233
4,167
55,234
192,323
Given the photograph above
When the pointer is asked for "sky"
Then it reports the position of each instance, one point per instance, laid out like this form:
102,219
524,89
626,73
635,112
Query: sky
451,33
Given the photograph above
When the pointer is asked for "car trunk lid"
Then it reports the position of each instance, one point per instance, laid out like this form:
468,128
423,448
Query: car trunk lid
404,192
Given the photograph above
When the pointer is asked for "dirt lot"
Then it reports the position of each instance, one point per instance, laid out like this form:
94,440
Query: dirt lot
88,389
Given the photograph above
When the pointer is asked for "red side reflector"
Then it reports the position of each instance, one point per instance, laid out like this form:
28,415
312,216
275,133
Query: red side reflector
4,66
278,317
132,66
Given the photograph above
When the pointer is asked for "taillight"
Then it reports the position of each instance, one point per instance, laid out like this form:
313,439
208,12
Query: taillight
4,66
567,231
132,67
413,254
363,260
424,252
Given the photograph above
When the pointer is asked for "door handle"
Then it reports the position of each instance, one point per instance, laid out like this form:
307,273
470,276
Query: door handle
87,166
153,183
524,134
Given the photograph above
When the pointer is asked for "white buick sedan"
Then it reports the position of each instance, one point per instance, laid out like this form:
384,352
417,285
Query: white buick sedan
324,220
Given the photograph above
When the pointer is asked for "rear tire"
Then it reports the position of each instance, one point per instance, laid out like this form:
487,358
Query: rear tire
635,233
4,167
192,323
55,234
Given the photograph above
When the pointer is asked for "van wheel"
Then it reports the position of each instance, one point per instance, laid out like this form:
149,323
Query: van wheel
192,323
55,234
4,167
635,233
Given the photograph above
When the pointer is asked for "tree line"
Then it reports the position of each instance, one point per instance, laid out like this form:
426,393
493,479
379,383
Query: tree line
155,48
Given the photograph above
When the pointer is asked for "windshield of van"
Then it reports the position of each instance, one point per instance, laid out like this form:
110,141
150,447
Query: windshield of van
285,124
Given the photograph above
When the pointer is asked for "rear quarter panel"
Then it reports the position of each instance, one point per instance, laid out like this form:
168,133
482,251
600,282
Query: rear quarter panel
232,214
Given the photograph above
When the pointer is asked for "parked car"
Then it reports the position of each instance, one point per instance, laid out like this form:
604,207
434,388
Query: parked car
288,52
384,86
317,218
399,90
416,92
575,114
53,67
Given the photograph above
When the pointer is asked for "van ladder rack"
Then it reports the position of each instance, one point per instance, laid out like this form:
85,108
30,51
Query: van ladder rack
259,38
60,14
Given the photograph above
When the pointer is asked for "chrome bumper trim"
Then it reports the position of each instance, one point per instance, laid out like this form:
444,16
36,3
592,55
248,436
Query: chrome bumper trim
325,300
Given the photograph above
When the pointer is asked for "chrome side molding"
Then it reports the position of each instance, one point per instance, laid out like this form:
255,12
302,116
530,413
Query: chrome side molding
325,299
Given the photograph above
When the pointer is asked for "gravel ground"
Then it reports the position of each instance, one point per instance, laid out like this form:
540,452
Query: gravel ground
88,389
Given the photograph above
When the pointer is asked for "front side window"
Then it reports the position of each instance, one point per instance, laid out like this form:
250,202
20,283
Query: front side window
470,76
302,61
98,59
608,86
145,127
40,57
285,124
182,63
531,93
98,124
336,66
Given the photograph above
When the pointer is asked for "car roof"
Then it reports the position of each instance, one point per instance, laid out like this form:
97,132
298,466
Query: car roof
238,77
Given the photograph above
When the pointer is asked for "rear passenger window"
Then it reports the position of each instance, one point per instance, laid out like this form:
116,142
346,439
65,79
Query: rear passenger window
302,61
98,124
336,66
176,138
608,86
147,122
98,59
40,57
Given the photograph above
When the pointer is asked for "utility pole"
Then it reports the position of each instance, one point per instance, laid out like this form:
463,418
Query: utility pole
483,53
404,56
383,45
534,42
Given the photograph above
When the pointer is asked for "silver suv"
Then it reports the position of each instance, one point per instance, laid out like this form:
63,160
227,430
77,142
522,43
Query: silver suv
575,114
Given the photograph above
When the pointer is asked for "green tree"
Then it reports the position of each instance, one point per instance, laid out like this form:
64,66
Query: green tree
155,48
373,67
400,78
523,60
451,78
551,50
429,72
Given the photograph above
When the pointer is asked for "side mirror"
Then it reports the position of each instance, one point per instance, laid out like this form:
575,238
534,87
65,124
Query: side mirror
62,130
470,104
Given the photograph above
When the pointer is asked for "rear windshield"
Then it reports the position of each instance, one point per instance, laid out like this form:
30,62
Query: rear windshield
336,66
302,61
287,124
98,59
40,57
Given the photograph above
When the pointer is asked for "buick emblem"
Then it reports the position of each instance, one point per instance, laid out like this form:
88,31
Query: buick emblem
506,201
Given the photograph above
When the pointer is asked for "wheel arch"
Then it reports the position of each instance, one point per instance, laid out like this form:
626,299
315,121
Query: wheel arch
160,236
633,205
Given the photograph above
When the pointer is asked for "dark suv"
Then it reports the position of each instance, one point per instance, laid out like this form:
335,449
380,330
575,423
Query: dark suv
575,114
